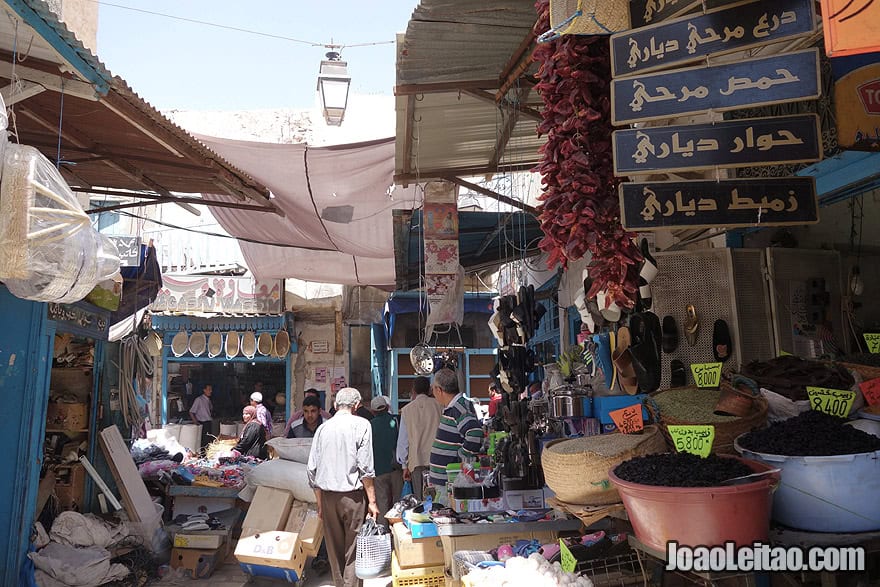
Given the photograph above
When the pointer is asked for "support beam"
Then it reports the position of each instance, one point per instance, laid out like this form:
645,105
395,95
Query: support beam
518,105
504,221
15,93
180,200
141,128
490,194
503,138
50,81
427,174
518,63
440,87
408,114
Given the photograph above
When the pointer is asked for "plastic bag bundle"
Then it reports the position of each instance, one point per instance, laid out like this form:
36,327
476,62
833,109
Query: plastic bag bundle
51,252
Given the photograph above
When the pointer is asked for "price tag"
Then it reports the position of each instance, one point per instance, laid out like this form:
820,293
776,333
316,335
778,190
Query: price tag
706,374
871,391
873,340
567,560
628,419
693,439
836,402
784,354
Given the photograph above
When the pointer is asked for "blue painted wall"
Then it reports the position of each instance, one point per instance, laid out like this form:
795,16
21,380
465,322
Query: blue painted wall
25,338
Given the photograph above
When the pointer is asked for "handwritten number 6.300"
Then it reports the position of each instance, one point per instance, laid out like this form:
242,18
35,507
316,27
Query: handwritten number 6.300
835,407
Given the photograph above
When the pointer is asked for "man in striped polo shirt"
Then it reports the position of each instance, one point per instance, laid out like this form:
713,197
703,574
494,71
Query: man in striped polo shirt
460,434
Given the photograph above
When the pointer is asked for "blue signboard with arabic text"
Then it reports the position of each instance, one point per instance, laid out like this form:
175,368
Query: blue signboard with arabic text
692,37
755,82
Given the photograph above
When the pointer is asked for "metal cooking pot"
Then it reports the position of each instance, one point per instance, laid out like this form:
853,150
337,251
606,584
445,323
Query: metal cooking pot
567,405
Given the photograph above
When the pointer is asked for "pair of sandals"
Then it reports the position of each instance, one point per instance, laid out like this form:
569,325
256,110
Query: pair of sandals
631,356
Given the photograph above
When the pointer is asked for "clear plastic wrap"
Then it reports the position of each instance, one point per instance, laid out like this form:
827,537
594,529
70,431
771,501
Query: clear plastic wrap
51,253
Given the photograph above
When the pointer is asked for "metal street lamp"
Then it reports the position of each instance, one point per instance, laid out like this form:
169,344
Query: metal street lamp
333,82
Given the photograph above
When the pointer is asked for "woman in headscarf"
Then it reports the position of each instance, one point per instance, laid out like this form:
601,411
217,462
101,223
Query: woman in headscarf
252,442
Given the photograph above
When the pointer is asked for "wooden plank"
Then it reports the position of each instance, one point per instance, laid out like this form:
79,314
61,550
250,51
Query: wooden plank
137,501
790,77
692,38
46,487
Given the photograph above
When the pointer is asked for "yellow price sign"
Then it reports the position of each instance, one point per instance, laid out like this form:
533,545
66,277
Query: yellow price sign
567,560
693,439
785,354
706,374
873,341
836,402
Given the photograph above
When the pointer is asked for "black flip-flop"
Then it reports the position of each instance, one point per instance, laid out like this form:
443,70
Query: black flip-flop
721,343
678,376
670,335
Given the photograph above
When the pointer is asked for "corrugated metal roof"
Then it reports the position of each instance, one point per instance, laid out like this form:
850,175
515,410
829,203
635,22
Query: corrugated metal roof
452,51
119,141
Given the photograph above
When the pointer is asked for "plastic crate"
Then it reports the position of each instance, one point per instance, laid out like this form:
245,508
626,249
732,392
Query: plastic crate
417,577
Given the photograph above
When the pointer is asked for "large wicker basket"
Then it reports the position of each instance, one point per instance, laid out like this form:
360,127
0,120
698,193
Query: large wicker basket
582,478
725,432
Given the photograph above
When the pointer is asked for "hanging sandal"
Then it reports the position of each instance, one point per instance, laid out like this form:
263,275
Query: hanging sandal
622,359
670,335
721,341
691,325
647,273
678,376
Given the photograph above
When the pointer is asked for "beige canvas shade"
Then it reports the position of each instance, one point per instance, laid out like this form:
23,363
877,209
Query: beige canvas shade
265,344
179,344
198,342
233,344
249,344
282,344
215,344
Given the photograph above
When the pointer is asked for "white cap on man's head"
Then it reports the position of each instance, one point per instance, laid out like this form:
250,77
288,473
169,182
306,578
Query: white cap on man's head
380,402
257,397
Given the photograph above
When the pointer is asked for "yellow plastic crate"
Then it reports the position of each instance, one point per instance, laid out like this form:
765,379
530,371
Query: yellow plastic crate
417,577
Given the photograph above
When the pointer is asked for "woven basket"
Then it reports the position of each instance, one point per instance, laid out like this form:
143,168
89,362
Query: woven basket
598,17
725,432
582,478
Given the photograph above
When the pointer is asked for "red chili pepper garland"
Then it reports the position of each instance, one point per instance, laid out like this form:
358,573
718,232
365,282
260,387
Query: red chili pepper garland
579,211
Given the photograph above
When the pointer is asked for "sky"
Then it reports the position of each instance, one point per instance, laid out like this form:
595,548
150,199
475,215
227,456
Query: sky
181,65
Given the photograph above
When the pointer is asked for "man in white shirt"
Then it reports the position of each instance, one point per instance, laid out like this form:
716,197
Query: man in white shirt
202,412
419,420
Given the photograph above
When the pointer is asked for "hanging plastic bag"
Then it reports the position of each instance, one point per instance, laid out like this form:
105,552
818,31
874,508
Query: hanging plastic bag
407,489
373,550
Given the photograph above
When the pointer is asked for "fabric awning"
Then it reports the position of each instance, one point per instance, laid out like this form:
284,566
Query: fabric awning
337,203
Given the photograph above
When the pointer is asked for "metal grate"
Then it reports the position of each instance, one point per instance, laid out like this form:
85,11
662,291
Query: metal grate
753,305
614,571
704,279
791,274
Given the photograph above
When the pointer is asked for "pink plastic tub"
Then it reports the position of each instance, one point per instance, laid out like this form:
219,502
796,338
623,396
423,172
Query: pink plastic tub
700,516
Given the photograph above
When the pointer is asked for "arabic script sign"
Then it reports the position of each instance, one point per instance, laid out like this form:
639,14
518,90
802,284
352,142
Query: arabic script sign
129,248
781,78
734,143
718,203
692,37
233,295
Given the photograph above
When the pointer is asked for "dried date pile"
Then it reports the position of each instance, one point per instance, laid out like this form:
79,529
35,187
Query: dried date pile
810,434
681,470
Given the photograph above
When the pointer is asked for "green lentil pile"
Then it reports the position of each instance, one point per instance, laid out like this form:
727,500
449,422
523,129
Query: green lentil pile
691,405
604,445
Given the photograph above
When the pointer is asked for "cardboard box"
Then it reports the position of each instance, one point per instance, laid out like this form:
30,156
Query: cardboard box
201,541
198,562
524,499
70,486
268,511
60,416
415,553
489,504
274,549
312,533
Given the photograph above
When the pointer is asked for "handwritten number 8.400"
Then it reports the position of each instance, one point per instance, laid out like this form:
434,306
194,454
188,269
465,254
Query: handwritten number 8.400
834,406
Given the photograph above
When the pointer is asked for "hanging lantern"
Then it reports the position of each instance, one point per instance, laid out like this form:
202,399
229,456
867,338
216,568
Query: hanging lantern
333,82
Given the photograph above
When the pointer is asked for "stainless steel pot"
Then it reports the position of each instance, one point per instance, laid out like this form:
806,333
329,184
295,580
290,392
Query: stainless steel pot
567,405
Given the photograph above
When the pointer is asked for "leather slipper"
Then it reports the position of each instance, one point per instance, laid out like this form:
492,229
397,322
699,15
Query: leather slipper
603,357
670,335
721,341
622,359
649,269
645,350
691,325
678,376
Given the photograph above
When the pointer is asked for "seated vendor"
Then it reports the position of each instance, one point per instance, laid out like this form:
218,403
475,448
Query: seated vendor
311,419
252,442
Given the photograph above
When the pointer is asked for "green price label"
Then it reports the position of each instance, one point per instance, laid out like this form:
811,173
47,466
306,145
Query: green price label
784,354
568,562
873,340
693,439
837,402
706,374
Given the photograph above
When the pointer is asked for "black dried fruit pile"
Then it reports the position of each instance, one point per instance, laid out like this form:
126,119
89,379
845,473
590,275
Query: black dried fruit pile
790,376
810,434
681,470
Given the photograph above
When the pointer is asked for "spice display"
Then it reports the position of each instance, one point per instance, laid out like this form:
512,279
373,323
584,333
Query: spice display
692,405
605,445
579,210
790,376
811,433
681,470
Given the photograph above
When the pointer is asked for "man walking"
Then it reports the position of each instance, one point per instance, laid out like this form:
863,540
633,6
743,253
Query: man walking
418,426
389,481
460,434
202,412
340,471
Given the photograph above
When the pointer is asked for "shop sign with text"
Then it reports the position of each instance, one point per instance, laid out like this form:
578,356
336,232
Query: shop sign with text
790,77
696,36
726,203
850,27
733,143
645,12
857,108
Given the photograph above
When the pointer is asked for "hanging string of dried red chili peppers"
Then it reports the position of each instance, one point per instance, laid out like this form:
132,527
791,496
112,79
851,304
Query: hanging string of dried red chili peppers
579,211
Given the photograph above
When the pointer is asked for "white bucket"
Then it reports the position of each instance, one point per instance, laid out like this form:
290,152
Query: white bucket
229,429
173,430
191,436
